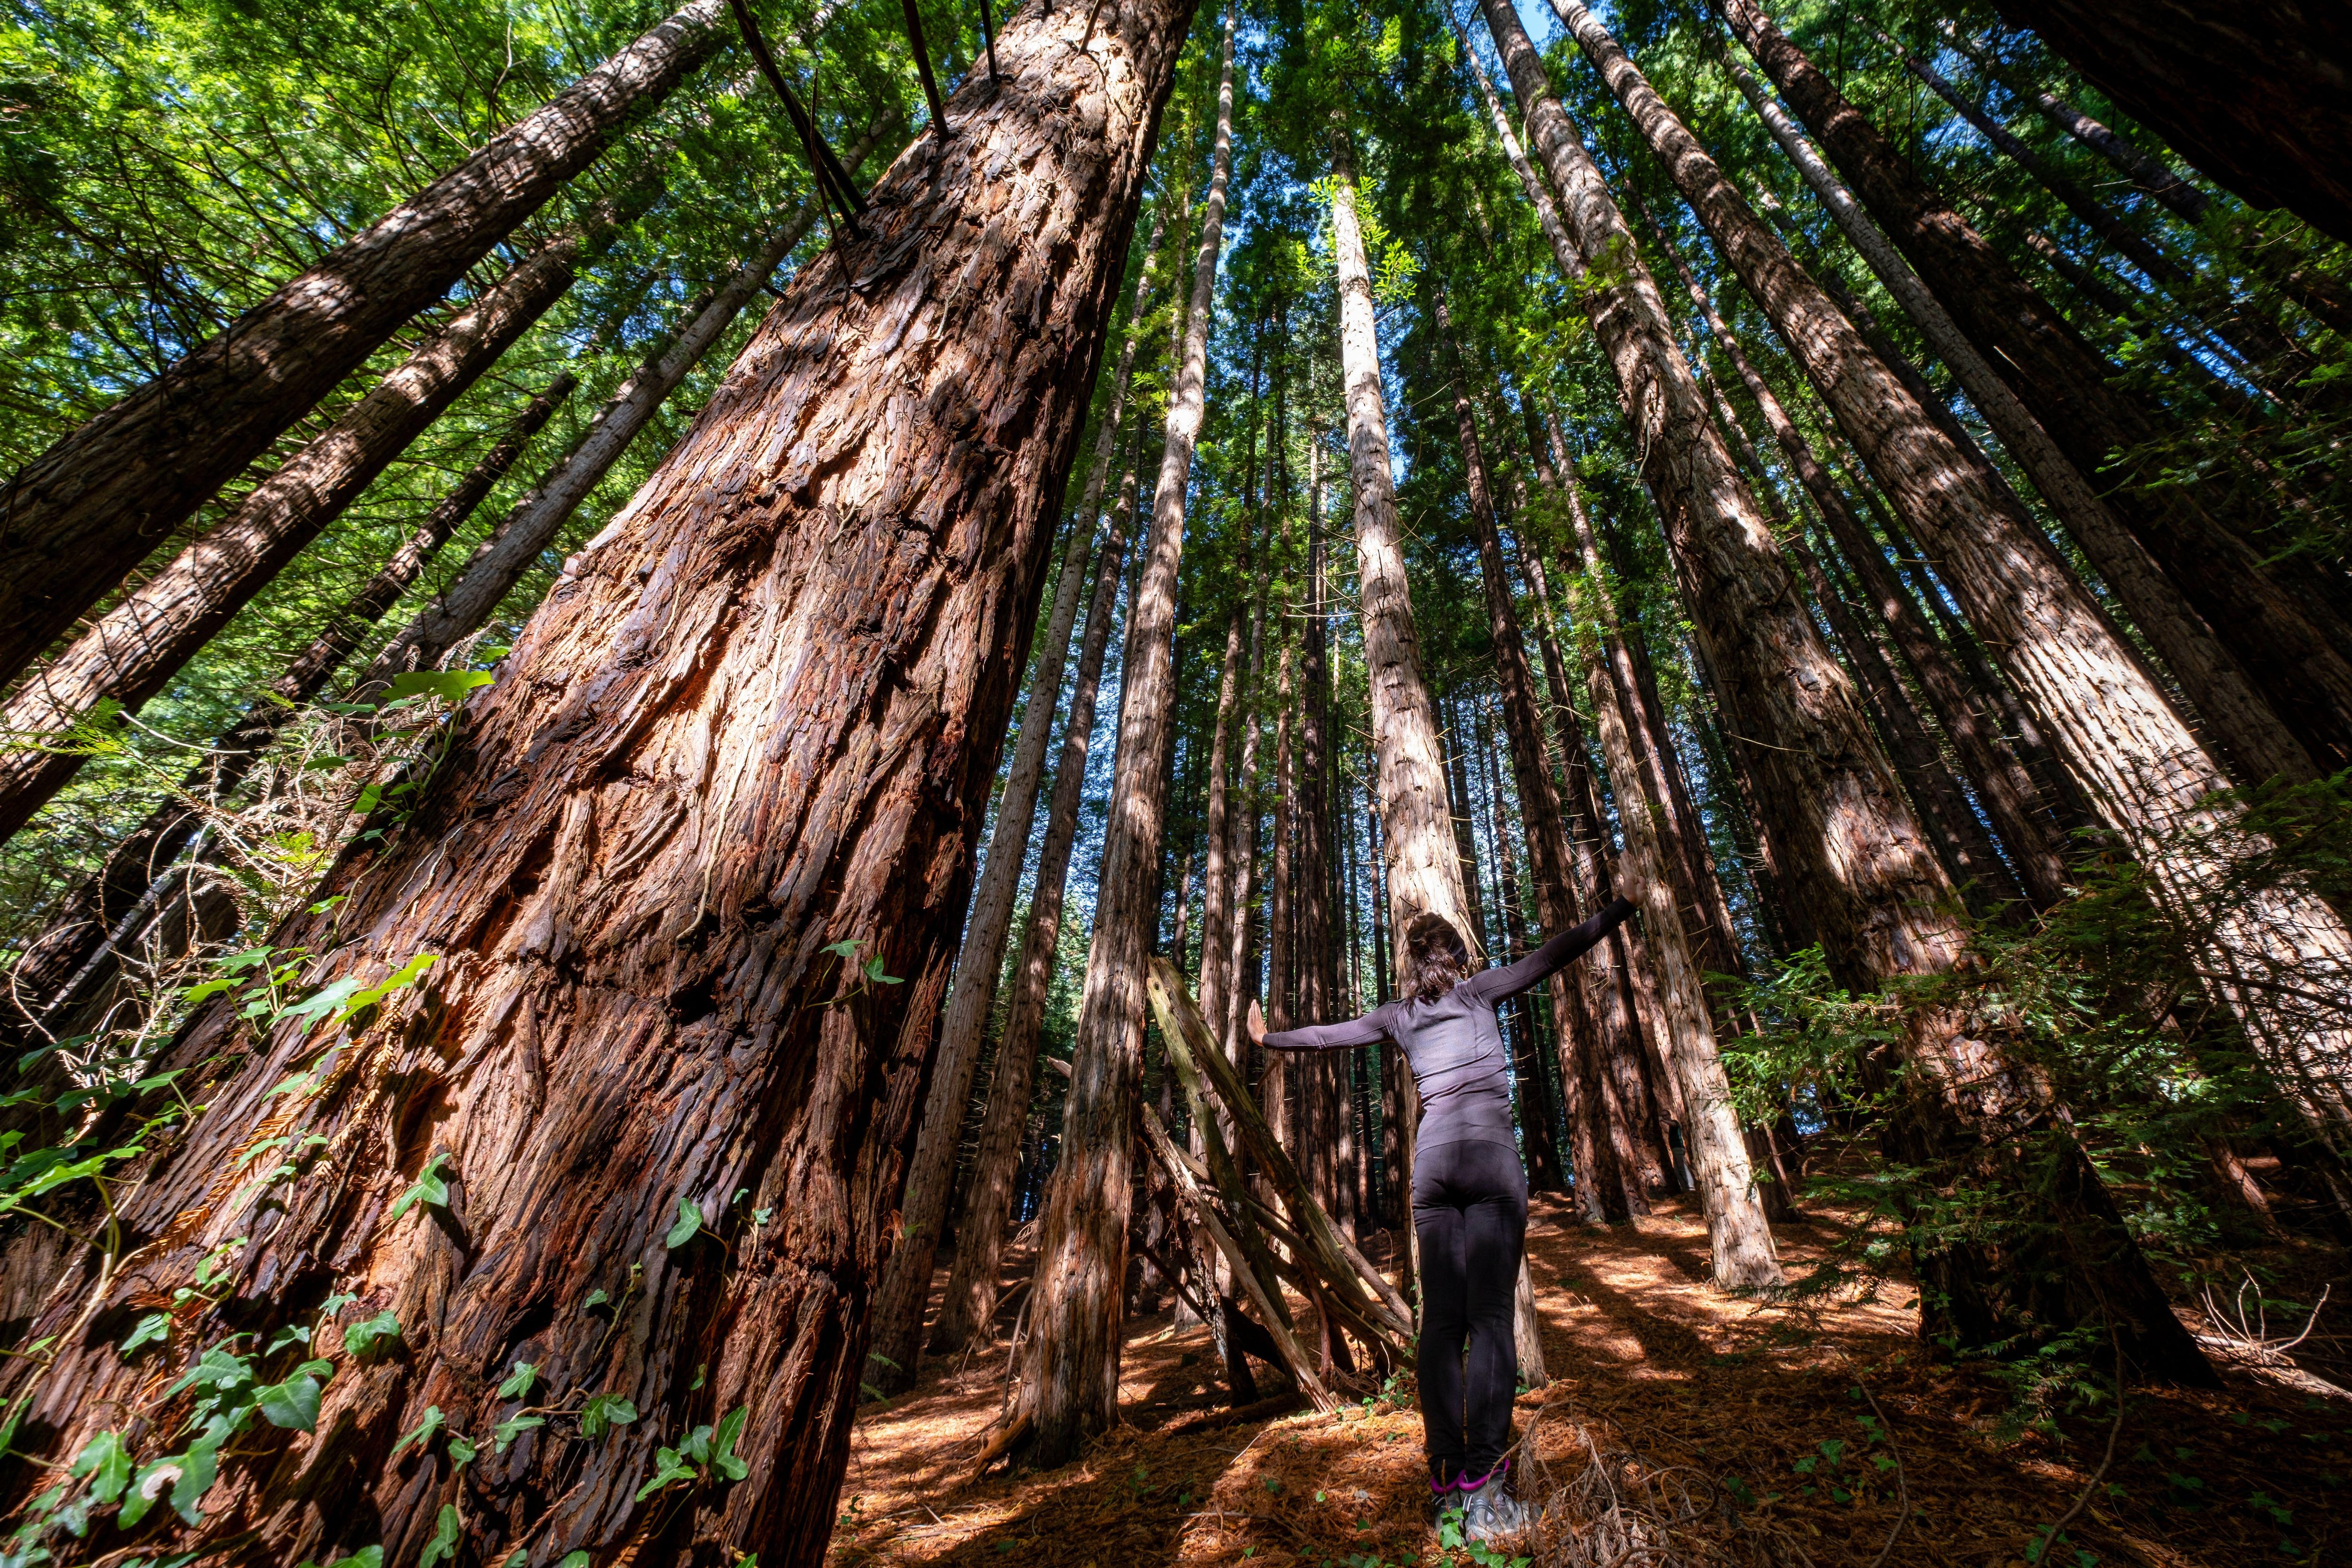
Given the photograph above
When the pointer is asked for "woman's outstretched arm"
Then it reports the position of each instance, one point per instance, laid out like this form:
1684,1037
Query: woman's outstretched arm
1369,1030
1509,979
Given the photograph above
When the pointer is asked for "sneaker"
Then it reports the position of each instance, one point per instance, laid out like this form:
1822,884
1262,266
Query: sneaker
1489,1511
1446,1501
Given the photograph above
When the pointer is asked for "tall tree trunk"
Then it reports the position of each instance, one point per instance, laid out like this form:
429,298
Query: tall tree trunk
971,1298
1540,815
1960,840
1850,849
2253,95
2291,650
2259,345
688,785
1423,865
2257,744
1939,470
93,915
134,649
1217,875
2141,762
533,522
82,515
897,1323
1241,961
1077,1306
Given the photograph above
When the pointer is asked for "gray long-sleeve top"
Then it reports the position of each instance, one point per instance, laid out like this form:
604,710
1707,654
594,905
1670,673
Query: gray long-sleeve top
1454,1045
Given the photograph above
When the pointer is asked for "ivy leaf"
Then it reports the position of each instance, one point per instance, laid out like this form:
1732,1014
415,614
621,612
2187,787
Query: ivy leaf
197,1468
461,1454
108,1464
399,979
595,1298
602,1413
365,1557
576,1560
669,1467
689,1221
363,1338
442,1547
422,1435
153,1328
321,1002
503,1435
519,1382
293,1404
449,685
428,1188
722,1450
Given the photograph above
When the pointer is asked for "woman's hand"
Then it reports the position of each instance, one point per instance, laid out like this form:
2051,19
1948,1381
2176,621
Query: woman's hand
1254,1021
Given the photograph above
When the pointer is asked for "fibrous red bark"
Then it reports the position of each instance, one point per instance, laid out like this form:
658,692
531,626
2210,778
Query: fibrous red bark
533,522
81,516
749,733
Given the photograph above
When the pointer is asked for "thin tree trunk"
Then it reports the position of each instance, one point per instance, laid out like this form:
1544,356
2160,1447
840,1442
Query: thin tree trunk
533,522
82,515
1541,816
1070,1375
969,1302
132,651
94,913
687,787
2301,666
1216,877
1241,968
898,1321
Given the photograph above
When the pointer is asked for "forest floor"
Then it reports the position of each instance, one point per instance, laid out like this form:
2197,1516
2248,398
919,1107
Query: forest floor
1681,1426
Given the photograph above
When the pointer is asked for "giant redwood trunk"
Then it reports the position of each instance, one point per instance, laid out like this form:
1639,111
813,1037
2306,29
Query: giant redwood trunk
1848,850
96,912
2252,93
136,647
906,1284
533,522
755,723
81,516
1079,1300
971,1298
2292,650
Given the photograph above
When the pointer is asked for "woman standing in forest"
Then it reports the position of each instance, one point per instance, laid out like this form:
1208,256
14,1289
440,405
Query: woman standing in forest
1469,1194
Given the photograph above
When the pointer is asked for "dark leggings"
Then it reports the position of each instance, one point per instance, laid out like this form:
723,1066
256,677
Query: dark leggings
1470,1210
